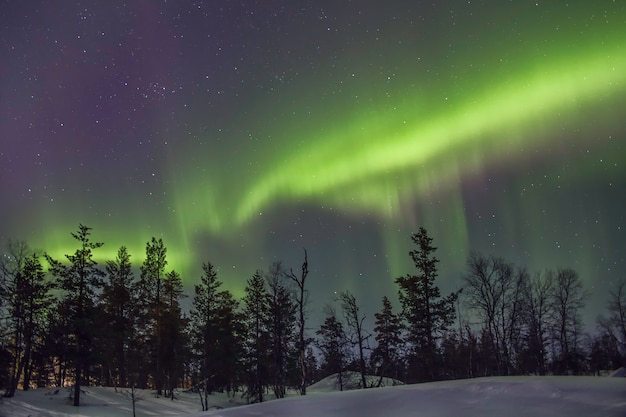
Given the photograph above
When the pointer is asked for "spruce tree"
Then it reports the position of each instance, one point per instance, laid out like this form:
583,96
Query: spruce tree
333,343
280,324
215,330
204,325
150,290
79,282
171,332
386,356
427,315
28,298
118,305
255,321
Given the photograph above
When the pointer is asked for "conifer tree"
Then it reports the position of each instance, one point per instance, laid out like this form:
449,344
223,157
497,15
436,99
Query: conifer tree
79,282
427,315
333,343
27,295
311,366
204,320
215,329
255,321
386,356
171,331
118,304
150,290
280,325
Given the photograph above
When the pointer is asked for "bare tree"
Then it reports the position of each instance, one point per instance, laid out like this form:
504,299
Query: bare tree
615,324
301,302
494,290
537,313
354,321
568,298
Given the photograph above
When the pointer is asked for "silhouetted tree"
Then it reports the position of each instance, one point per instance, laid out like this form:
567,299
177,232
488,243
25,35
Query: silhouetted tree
358,336
118,305
615,324
27,296
280,325
311,366
79,282
150,289
494,290
204,321
301,302
386,357
255,322
568,299
426,313
171,332
537,316
333,343
603,353
215,333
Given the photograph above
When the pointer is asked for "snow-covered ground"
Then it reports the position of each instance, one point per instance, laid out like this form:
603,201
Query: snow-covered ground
106,402
498,396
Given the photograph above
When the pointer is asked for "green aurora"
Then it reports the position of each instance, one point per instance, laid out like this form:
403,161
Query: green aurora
349,155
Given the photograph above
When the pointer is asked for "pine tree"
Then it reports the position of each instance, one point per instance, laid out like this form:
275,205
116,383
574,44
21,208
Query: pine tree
427,315
27,293
215,330
333,343
171,331
386,356
280,325
205,306
118,304
79,282
150,290
255,319
229,342
311,366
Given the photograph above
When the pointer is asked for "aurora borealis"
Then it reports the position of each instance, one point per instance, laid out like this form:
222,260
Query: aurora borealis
243,132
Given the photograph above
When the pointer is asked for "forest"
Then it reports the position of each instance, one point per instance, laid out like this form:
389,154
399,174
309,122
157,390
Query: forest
73,322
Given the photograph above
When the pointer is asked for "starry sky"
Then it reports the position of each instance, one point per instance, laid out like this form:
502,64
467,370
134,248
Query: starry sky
242,132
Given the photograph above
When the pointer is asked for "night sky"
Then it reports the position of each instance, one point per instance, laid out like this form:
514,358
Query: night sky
242,132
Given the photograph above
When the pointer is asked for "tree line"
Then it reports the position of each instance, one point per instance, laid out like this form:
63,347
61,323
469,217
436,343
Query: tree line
79,323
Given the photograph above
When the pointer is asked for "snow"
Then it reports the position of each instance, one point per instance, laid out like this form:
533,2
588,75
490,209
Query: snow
106,402
351,380
498,396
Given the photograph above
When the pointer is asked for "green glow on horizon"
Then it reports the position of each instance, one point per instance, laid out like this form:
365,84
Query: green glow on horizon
60,243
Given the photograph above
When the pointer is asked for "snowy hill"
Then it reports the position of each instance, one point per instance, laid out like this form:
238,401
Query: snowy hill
351,381
486,397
